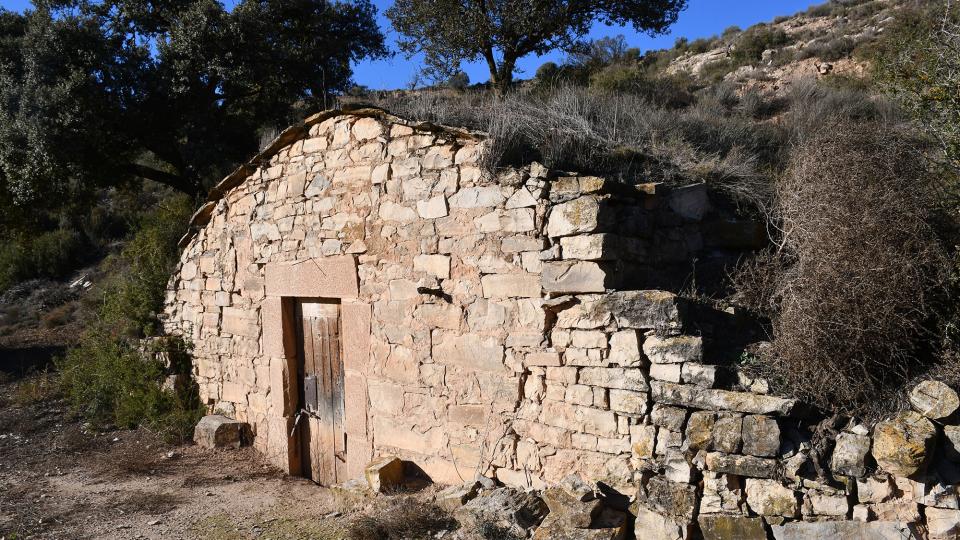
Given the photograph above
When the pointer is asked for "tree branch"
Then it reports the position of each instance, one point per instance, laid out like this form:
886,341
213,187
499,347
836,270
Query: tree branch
180,183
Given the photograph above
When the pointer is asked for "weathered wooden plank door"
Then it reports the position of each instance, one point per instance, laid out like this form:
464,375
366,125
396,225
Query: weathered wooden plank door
322,438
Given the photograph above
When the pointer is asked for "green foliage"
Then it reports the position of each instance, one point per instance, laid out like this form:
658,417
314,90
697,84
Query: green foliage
51,254
459,81
919,61
135,293
751,43
450,32
107,378
100,93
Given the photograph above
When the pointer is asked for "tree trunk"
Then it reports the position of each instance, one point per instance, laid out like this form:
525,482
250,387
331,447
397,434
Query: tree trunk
502,77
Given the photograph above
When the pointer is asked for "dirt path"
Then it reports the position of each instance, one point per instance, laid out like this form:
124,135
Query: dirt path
57,480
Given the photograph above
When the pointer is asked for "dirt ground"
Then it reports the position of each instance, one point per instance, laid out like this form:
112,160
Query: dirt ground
60,480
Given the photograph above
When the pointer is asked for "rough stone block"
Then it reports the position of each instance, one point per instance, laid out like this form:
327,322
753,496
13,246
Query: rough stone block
673,350
842,530
589,247
384,473
581,215
723,527
435,207
627,401
573,277
902,445
749,466
934,399
771,498
435,265
454,497
720,400
625,349
216,431
699,433
849,454
761,436
665,372
643,310
510,286
698,374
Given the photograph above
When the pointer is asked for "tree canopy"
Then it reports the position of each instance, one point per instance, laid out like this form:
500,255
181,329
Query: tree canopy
100,93
500,32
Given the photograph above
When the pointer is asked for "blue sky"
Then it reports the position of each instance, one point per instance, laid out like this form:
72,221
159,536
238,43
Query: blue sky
701,18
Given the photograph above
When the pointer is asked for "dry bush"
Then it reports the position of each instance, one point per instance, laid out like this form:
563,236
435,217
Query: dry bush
402,517
859,274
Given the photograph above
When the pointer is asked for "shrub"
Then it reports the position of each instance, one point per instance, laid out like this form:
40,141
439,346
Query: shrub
459,81
51,254
404,517
830,50
851,301
107,378
751,44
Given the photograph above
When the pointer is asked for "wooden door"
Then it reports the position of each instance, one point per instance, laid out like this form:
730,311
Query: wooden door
322,439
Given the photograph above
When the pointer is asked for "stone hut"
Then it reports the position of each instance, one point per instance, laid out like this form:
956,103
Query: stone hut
364,287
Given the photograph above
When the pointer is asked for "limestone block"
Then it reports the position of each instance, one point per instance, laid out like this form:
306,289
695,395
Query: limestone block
432,208
698,374
942,523
435,265
384,474
643,440
216,431
471,352
842,530
622,378
677,467
521,198
652,525
644,310
519,243
510,286
391,211
724,527
665,372
761,436
627,401
771,498
588,339
727,433
674,499
477,197
438,157
454,497
720,400
625,349
722,494
934,399
849,454
543,359
903,444
444,315
818,503
875,489
699,432
749,466
672,418
573,277
581,215
569,511
589,247
673,349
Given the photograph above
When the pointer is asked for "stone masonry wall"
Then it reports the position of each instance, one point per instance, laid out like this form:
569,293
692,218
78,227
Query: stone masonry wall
516,330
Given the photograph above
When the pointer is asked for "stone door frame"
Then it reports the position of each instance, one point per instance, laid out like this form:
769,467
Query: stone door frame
326,277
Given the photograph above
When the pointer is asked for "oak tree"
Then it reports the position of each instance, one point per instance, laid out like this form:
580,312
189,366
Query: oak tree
500,32
99,93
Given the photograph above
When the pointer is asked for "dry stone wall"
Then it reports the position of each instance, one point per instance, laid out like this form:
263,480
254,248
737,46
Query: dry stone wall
525,326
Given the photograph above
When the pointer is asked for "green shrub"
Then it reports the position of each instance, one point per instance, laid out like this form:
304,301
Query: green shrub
51,254
107,378
751,44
